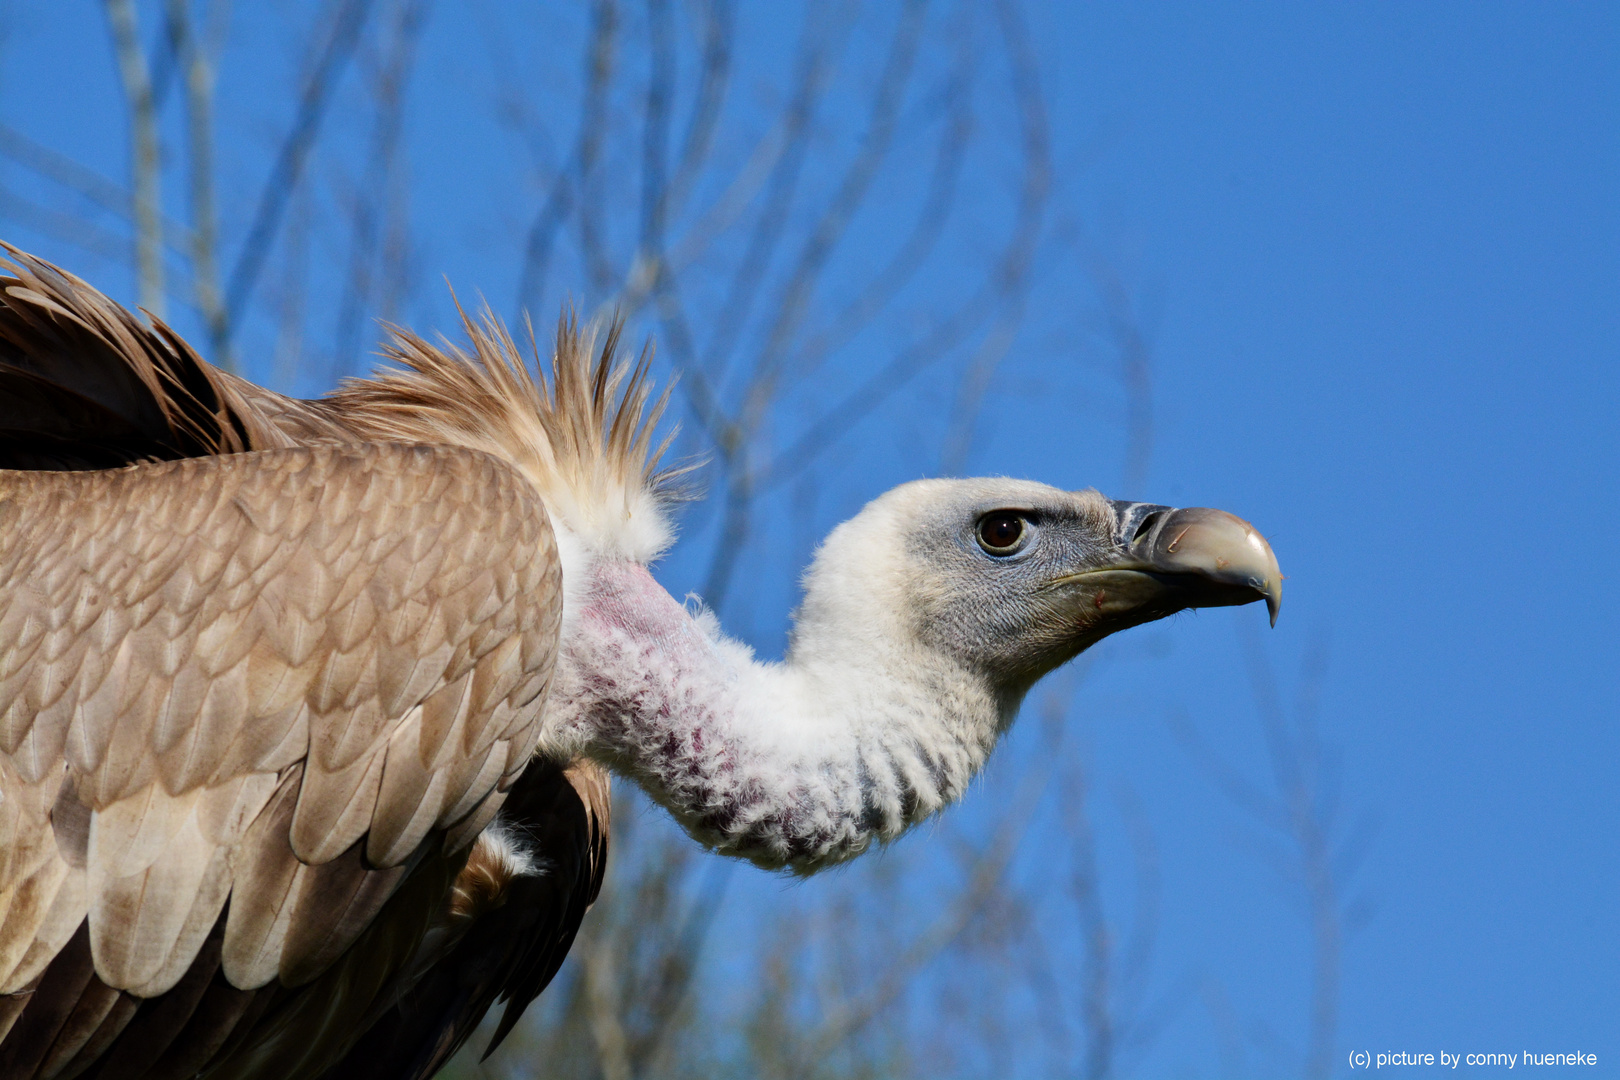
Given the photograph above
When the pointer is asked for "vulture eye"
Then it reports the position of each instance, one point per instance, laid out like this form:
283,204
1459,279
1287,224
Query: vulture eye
1001,532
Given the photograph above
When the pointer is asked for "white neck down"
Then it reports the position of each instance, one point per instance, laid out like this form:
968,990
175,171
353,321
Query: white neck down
795,765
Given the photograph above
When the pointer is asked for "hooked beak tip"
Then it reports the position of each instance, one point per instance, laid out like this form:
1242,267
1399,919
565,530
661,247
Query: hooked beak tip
1220,548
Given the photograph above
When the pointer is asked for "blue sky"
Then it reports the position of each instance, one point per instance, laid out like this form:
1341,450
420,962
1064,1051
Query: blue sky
1377,249
1386,240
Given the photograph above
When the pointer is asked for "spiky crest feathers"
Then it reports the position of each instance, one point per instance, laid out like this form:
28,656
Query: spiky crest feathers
584,436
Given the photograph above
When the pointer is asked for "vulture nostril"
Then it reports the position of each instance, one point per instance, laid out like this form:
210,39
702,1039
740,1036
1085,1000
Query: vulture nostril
1147,525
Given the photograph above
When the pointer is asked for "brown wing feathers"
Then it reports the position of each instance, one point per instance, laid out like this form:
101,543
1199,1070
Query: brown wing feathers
509,932
181,701
84,384
255,707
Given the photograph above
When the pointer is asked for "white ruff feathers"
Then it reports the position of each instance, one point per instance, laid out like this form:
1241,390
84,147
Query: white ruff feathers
583,437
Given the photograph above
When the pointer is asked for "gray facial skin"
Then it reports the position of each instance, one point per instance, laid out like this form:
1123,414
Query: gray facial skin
1019,587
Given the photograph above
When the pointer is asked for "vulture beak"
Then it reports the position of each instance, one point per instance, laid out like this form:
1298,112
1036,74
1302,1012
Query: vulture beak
1167,560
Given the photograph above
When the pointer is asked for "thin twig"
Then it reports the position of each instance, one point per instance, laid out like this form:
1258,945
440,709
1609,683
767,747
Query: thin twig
64,170
876,294
1013,273
791,303
374,188
193,58
813,68
85,182
290,299
593,242
559,201
146,166
986,873
715,77
64,227
1136,372
289,164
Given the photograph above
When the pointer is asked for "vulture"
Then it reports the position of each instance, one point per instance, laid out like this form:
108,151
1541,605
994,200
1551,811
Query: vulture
308,707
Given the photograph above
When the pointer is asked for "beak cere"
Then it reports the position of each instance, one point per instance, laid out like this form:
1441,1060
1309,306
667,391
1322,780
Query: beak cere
1167,560
1219,548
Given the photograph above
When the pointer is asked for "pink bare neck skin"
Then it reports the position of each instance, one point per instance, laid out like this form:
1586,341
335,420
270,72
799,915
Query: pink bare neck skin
786,767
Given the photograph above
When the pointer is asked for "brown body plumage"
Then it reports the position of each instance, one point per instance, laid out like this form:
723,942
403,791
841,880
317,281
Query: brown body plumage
268,669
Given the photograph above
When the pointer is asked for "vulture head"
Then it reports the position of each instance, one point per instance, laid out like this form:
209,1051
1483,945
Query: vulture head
926,619
1009,579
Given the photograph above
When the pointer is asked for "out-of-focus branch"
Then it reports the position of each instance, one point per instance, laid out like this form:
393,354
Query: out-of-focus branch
64,227
1013,273
986,874
812,71
724,211
655,124
559,201
1303,810
813,67
1085,888
650,271
292,295
592,222
146,165
1297,768
289,164
65,171
877,294
874,392
1137,956
605,1008
791,303
83,182
1006,284
1124,326
719,30
375,187
789,309
674,975
981,369
192,56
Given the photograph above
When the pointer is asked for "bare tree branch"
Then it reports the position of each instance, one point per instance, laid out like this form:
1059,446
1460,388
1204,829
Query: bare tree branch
1097,990
560,200
146,165
1005,285
592,226
1013,273
192,56
85,183
289,164
1301,811
791,303
67,228
674,976
1136,372
719,30
1296,761
877,294
986,873
655,124
65,171
812,71
292,295
601,991
375,187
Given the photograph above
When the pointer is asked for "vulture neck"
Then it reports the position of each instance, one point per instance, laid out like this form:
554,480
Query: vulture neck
795,765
